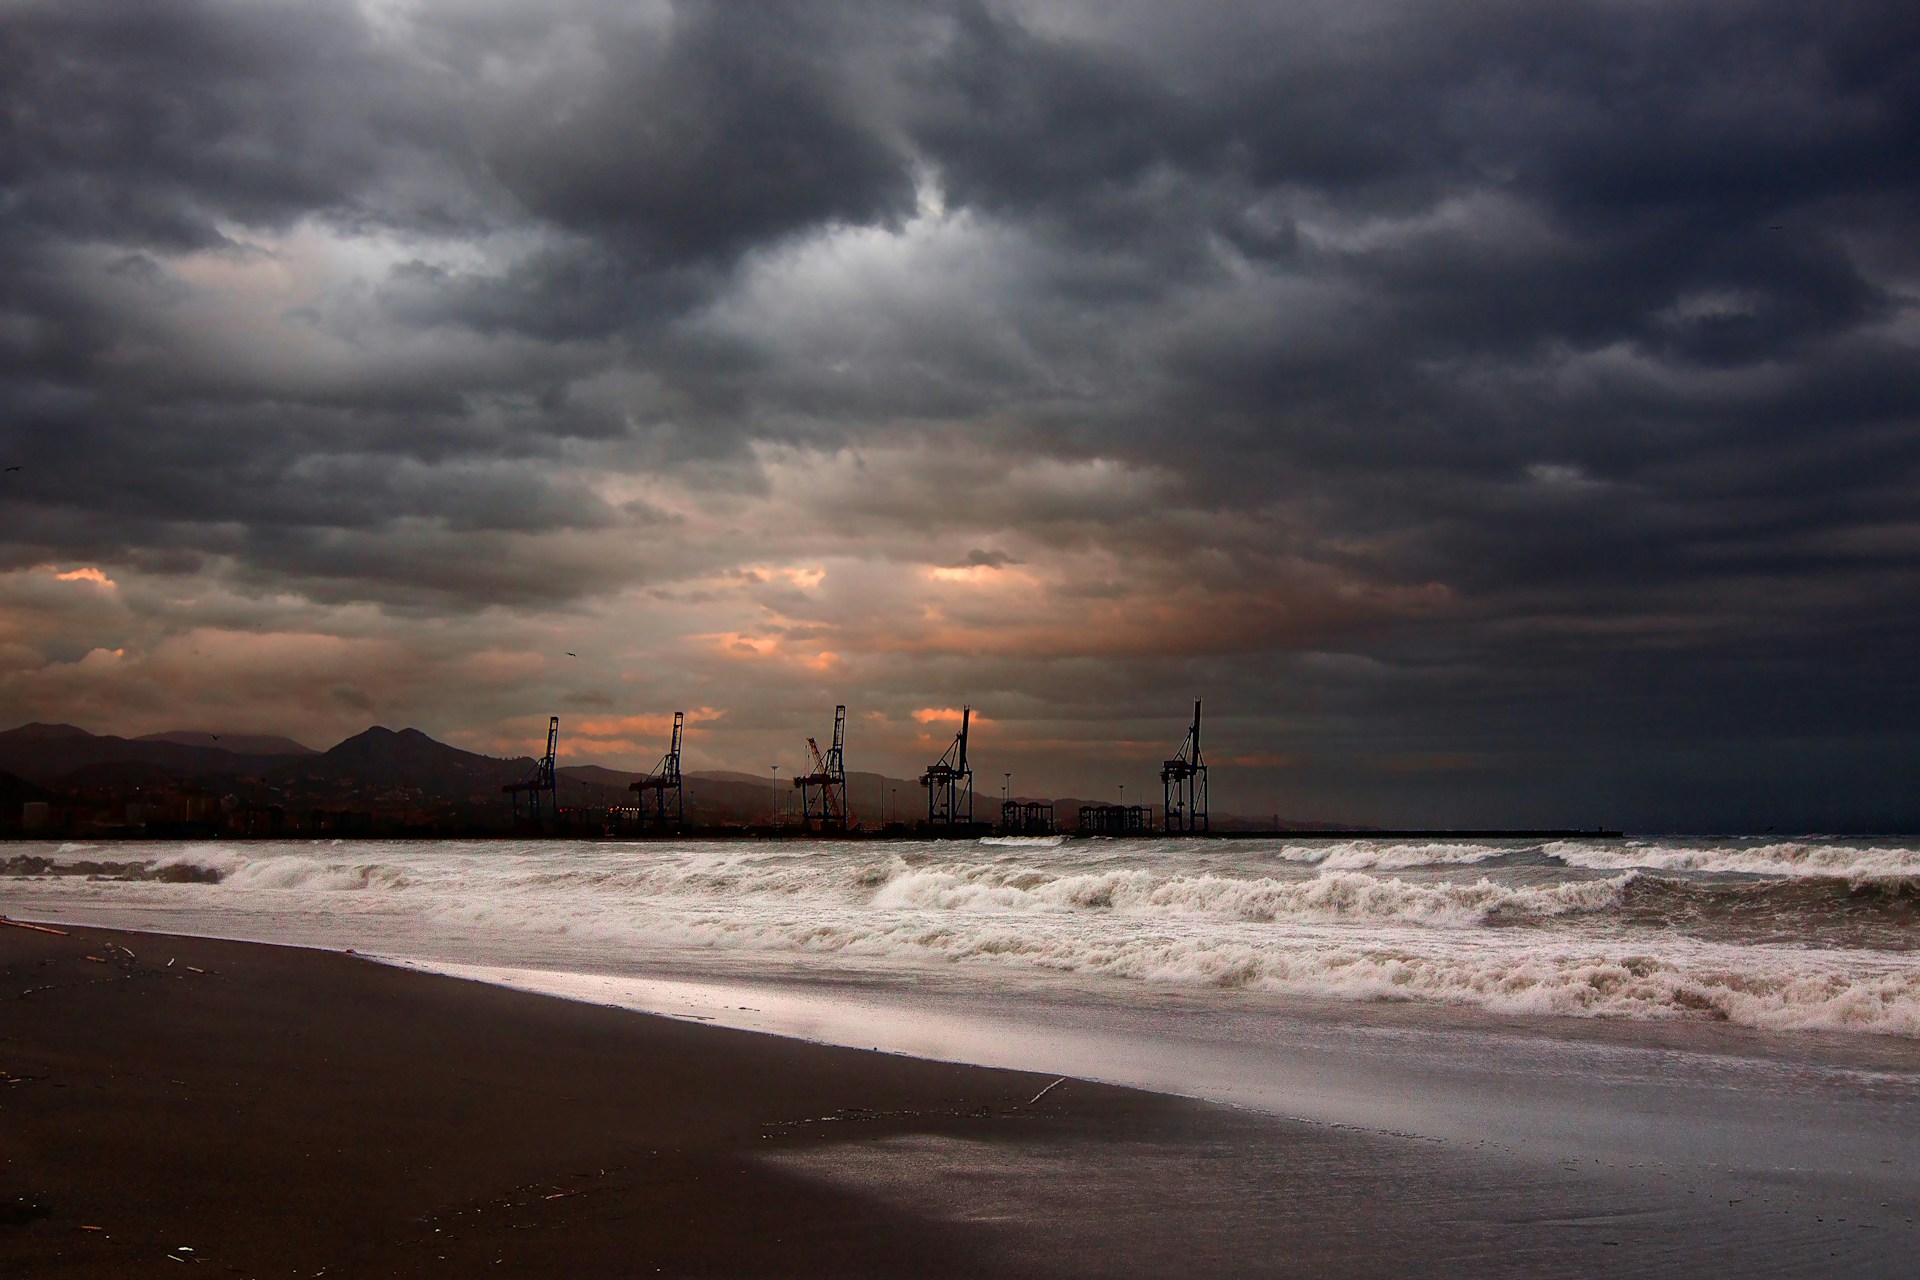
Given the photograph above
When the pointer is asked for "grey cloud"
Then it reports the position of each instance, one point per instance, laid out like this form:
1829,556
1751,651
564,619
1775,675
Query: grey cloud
986,559
730,127
1598,318
152,127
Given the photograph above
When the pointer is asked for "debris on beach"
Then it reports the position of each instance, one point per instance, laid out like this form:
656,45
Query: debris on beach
37,928
1044,1092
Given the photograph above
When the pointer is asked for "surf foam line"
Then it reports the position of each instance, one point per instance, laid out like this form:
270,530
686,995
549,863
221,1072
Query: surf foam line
1328,895
1779,989
1346,935
893,884
1797,858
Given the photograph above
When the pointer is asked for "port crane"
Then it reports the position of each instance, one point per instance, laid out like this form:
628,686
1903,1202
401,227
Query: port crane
949,782
663,784
1184,779
541,782
823,792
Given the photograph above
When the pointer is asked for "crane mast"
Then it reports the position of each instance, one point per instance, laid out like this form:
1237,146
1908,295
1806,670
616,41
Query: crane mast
1184,780
949,782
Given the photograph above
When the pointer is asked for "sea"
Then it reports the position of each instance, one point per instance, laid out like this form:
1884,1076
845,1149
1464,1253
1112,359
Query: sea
1746,1005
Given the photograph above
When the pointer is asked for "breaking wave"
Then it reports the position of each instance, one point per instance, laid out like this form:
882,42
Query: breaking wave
1779,935
1772,988
1801,858
1360,855
1335,895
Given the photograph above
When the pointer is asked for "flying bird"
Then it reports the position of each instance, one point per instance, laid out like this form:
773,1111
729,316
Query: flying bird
14,468
572,654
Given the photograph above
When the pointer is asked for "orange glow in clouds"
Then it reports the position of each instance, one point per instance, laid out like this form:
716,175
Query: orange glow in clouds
930,715
86,575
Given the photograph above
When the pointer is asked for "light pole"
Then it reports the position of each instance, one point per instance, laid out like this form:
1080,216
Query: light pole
896,804
773,813
1123,795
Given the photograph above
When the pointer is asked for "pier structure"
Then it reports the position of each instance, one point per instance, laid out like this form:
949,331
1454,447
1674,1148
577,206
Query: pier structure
1026,818
1184,779
1116,819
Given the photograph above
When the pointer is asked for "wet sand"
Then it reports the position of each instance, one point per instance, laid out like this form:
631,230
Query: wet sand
269,1111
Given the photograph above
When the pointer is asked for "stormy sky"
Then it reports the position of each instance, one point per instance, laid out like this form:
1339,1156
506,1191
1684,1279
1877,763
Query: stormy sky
1501,413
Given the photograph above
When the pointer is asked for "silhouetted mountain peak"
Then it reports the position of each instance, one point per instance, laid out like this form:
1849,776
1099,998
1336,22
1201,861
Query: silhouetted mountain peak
410,757
43,753
38,730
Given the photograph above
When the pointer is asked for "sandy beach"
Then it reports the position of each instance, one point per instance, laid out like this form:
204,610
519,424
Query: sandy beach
274,1111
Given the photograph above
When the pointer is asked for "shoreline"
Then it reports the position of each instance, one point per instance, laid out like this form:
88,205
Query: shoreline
1866,1049
280,1109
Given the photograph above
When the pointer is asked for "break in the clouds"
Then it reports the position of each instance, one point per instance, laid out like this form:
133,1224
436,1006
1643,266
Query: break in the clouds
1501,412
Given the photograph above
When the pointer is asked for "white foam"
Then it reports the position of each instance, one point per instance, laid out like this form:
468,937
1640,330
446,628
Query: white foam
1357,855
1204,915
1335,895
1795,858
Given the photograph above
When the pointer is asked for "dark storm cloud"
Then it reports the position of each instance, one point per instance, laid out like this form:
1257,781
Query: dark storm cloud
151,125
736,126
1596,321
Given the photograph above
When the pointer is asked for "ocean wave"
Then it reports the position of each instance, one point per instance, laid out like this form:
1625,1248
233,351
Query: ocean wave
1808,858
1337,895
1785,953
1362,855
236,871
1771,988
317,874
34,865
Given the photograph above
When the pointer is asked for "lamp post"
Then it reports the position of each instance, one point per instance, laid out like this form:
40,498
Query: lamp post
896,804
773,813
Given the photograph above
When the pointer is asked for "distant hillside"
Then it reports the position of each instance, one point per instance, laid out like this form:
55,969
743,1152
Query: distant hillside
241,744
45,753
46,732
729,775
117,775
598,775
383,757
